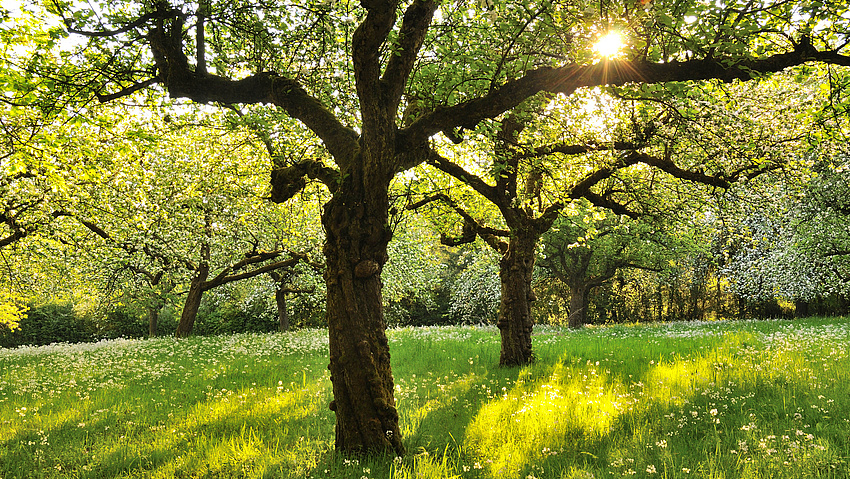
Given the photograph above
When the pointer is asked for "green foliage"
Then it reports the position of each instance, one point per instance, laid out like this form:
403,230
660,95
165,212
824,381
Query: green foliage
476,289
228,310
50,323
415,278
790,242
822,233
129,321
11,312
173,197
249,307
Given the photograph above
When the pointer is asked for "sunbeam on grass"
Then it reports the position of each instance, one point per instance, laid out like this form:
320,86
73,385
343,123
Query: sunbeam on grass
710,400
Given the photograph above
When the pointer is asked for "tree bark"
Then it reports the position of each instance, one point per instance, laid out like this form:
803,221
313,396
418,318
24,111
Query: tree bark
515,321
357,233
578,305
193,301
153,319
282,313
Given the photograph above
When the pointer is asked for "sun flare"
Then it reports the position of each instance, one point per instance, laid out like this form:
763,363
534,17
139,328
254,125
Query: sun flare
609,45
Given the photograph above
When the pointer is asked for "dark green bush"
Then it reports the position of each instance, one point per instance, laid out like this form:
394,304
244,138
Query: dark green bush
50,323
123,322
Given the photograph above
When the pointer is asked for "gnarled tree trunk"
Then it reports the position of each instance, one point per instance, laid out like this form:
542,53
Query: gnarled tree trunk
515,321
357,233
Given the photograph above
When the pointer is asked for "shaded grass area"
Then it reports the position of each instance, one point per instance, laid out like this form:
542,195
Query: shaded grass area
710,400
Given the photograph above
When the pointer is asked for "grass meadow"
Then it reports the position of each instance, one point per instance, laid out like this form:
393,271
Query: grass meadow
749,399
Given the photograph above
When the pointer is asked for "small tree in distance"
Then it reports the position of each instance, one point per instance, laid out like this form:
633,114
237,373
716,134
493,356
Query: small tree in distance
587,248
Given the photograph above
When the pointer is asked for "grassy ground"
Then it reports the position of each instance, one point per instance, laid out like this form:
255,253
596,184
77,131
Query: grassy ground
710,400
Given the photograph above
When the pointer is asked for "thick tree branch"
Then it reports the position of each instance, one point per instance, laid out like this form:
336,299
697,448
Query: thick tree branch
596,281
139,22
366,54
581,188
605,202
447,166
573,149
128,90
248,260
16,231
200,38
96,229
668,166
14,236
506,159
612,72
153,279
182,81
225,277
414,25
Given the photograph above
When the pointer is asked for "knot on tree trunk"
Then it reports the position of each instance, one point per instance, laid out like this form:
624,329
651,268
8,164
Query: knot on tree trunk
366,268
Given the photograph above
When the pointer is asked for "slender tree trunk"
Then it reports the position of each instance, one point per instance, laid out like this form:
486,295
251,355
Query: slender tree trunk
578,305
193,302
357,233
659,301
801,308
153,319
282,313
515,321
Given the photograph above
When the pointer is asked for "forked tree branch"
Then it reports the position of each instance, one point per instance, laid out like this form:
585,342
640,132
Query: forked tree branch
227,275
576,149
471,227
175,73
366,48
128,90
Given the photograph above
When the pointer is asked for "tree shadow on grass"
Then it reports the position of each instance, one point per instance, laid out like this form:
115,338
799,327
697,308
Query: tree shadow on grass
243,431
575,418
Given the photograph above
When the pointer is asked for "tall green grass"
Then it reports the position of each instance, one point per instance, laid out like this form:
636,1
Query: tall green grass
747,399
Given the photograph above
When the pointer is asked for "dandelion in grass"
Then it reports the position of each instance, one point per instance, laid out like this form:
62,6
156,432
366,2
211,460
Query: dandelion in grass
651,469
